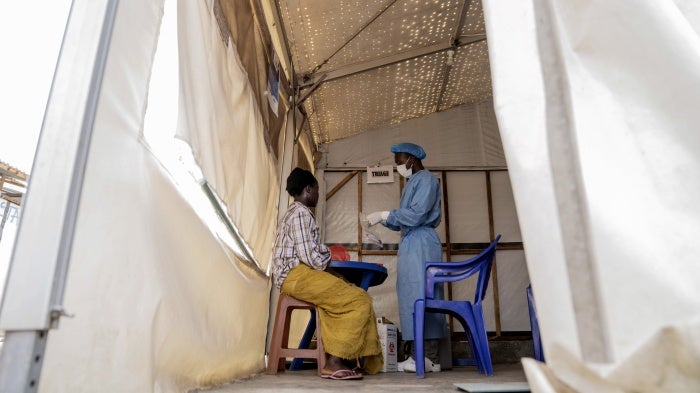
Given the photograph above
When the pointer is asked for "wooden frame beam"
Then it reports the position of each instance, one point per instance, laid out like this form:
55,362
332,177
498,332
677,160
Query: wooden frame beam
340,185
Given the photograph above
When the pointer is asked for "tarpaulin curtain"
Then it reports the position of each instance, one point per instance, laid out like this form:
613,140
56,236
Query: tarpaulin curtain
159,303
597,107
220,120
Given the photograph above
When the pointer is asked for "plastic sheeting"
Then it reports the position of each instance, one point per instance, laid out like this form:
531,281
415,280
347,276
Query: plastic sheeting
616,82
465,136
220,120
160,304
239,20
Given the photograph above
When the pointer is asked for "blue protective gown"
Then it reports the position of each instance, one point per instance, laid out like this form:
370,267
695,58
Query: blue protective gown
417,217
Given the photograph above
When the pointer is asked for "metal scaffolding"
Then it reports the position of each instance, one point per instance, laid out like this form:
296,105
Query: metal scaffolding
13,184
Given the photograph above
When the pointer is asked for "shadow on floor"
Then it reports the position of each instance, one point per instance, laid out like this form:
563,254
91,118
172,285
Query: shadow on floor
307,381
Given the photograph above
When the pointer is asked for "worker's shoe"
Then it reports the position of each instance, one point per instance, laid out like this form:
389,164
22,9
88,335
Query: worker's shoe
409,366
408,362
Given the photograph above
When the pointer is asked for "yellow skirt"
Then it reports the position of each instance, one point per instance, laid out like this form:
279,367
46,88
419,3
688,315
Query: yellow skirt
348,324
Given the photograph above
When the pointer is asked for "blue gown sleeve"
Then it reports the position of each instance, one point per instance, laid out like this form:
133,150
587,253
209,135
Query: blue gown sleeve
392,227
419,206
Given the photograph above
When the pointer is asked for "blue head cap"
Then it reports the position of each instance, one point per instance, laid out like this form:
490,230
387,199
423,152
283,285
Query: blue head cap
410,148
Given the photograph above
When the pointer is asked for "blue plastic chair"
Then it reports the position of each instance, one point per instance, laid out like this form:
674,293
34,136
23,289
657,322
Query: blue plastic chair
534,325
469,314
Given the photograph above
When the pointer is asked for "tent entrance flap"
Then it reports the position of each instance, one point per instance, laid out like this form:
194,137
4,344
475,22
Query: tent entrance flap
33,298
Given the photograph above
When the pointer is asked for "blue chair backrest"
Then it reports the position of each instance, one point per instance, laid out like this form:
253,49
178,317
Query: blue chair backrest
486,261
437,272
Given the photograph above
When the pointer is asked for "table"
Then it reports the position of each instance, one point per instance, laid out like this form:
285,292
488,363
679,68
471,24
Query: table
362,274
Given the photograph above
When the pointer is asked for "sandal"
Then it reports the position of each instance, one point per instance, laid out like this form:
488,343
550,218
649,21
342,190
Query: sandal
342,374
359,370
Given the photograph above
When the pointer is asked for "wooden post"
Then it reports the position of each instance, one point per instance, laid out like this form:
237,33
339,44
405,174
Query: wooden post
448,244
359,209
494,270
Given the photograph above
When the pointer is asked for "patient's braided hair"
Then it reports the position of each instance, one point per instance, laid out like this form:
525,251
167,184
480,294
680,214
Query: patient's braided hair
298,179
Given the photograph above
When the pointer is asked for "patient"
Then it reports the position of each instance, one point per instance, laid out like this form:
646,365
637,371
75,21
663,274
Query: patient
299,267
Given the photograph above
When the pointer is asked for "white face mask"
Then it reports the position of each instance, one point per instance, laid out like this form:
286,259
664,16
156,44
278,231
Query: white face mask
404,171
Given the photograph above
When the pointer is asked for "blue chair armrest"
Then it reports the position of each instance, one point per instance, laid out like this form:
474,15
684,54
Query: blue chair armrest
447,272
439,272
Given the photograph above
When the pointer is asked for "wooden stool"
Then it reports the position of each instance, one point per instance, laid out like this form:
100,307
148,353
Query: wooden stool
279,349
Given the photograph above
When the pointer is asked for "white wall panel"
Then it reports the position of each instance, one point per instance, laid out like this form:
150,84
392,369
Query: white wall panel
512,281
380,197
505,218
463,140
469,219
341,210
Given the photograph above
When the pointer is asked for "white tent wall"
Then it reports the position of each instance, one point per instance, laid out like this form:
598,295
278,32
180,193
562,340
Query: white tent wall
597,106
157,297
220,120
480,147
470,130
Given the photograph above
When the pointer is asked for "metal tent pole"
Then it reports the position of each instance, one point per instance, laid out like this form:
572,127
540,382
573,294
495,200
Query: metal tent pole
32,302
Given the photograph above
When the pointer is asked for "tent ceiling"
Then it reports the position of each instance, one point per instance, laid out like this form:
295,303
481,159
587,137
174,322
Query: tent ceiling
364,64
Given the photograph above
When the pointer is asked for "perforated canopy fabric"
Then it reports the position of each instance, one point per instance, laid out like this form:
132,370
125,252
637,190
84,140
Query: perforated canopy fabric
385,61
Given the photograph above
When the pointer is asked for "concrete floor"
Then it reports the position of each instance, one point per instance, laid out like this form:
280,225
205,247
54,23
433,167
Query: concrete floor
306,381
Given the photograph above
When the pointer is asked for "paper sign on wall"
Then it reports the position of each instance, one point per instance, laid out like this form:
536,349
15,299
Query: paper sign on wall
380,174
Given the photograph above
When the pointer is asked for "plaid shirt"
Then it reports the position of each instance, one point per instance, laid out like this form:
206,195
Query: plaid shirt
297,242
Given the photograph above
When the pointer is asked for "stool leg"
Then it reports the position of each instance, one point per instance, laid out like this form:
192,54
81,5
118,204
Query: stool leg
305,341
274,362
